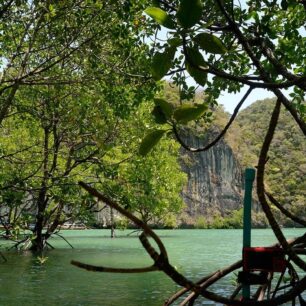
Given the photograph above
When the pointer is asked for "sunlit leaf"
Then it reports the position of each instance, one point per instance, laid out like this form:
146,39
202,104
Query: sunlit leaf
162,62
160,16
189,12
189,112
210,43
150,141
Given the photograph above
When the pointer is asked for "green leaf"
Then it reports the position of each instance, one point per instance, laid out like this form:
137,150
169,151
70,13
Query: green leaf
189,12
156,3
162,62
210,43
199,76
189,112
166,107
174,42
284,5
160,16
159,115
150,141
194,57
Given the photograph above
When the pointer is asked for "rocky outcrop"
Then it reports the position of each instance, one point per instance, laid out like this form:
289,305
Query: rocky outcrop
215,179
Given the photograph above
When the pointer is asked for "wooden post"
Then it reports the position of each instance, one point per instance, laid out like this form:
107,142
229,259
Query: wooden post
247,206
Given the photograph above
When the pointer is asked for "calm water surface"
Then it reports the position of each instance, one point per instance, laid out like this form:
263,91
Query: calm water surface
24,281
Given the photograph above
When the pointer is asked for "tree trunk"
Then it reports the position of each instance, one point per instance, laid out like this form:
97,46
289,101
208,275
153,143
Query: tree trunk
113,235
39,242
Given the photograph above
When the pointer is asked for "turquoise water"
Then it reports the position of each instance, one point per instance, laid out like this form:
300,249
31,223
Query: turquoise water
24,281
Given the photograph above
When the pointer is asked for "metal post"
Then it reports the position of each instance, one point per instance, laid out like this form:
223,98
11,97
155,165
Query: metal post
247,205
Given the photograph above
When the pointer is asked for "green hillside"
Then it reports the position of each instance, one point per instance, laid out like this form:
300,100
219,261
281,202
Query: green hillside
286,167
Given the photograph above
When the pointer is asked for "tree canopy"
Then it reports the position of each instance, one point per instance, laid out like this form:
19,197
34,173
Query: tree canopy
72,77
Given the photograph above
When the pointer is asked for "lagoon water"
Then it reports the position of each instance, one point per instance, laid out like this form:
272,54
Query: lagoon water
24,281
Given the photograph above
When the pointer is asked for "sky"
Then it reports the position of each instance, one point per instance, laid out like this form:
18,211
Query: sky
229,101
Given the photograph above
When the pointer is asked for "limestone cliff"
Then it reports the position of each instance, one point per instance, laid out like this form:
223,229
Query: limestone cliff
214,179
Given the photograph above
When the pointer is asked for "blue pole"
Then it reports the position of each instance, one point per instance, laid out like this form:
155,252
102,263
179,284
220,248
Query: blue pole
247,206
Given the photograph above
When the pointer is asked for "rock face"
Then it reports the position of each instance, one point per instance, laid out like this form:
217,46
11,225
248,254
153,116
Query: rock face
215,181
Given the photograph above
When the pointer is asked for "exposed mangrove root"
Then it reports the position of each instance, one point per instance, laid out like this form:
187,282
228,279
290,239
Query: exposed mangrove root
214,277
3,257
133,232
112,270
50,245
23,244
57,234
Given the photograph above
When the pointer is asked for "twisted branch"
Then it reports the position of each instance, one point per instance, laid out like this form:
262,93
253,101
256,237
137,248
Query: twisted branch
127,214
261,188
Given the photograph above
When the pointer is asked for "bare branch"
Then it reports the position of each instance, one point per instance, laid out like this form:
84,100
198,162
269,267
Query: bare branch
223,132
127,214
284,210
113,270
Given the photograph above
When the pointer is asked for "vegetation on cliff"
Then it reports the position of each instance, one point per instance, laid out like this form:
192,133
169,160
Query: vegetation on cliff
286,163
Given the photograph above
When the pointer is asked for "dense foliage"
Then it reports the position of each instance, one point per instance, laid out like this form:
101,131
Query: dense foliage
149,186
73,75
